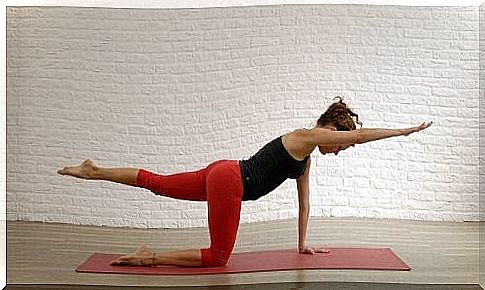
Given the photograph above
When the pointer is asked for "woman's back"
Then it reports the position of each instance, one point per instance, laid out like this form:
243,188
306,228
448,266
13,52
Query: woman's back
268,168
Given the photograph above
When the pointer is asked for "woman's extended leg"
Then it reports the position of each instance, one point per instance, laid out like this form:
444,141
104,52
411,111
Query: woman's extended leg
183,186
88,170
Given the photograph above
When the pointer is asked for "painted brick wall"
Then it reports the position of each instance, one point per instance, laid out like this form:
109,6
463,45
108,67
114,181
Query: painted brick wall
172,90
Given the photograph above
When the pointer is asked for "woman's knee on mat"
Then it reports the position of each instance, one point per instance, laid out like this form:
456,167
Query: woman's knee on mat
214,257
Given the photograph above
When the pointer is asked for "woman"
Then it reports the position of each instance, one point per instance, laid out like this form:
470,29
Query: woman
225,183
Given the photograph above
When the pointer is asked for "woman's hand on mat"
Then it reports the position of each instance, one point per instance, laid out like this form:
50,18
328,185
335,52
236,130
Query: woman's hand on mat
312,251
421,127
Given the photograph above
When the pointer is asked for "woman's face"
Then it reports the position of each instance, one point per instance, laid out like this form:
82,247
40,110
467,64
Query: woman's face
332,149
329,149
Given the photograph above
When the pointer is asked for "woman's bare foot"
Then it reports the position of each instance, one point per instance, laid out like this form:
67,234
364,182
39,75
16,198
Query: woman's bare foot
143,250
143,256
85,170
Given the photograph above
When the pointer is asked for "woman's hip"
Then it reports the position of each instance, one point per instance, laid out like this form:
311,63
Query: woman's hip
224,176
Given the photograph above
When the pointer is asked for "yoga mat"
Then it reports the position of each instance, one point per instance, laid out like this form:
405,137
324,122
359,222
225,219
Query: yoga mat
277,260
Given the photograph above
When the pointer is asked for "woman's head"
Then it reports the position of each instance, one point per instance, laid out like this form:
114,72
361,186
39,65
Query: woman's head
340,118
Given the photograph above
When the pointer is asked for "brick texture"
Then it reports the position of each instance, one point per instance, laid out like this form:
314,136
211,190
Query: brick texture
171,90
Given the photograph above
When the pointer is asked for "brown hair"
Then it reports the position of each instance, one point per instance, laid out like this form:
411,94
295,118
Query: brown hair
340,116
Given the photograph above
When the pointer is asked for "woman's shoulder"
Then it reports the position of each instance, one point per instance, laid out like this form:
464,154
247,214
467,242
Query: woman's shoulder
299,130
298,133
296,143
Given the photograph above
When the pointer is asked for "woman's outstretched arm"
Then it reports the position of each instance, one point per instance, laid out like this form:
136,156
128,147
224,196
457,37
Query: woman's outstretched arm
322,137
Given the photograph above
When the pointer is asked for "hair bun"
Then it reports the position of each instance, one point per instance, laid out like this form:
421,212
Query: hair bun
340,100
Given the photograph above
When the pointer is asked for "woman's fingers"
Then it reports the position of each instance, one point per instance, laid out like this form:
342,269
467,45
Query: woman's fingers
306,250
424,125
421,127
313,251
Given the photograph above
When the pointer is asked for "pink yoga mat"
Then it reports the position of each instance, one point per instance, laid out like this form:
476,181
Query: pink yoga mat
278,260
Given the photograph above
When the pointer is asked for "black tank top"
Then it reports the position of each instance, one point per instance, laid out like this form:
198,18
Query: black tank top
268,168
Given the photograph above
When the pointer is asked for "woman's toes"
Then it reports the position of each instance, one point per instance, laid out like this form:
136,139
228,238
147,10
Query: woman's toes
132,261
121,261
64,171
116,263
85,170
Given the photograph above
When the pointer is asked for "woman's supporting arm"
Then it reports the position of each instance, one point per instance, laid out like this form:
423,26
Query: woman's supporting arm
303,187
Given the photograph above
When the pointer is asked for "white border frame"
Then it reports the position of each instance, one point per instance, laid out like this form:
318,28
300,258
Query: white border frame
147,4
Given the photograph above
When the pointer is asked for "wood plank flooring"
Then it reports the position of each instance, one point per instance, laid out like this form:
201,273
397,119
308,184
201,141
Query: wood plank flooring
438,252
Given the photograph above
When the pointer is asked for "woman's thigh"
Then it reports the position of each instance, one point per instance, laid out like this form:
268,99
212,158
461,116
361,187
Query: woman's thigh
224,193
189,185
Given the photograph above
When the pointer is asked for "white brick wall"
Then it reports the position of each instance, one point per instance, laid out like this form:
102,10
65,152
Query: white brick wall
482,144
172,90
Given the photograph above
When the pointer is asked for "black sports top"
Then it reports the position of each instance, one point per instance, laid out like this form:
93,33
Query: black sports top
268,168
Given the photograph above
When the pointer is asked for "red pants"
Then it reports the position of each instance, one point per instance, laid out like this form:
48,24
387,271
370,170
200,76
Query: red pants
220,184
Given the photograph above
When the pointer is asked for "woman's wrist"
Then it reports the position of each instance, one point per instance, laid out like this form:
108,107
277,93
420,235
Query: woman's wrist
406,131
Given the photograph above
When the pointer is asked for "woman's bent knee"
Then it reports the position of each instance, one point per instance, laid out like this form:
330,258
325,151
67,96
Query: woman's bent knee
214,258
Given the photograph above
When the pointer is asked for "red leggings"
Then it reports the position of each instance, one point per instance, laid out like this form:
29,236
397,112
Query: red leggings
220,184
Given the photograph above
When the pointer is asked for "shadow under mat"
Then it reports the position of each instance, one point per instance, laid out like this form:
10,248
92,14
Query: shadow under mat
265,286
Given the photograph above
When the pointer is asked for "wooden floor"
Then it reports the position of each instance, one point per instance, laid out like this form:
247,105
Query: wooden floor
438,252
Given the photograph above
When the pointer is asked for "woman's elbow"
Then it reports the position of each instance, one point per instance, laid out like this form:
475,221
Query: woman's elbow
359,137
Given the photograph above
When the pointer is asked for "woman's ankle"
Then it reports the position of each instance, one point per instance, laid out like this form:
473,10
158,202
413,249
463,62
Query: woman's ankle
95,173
